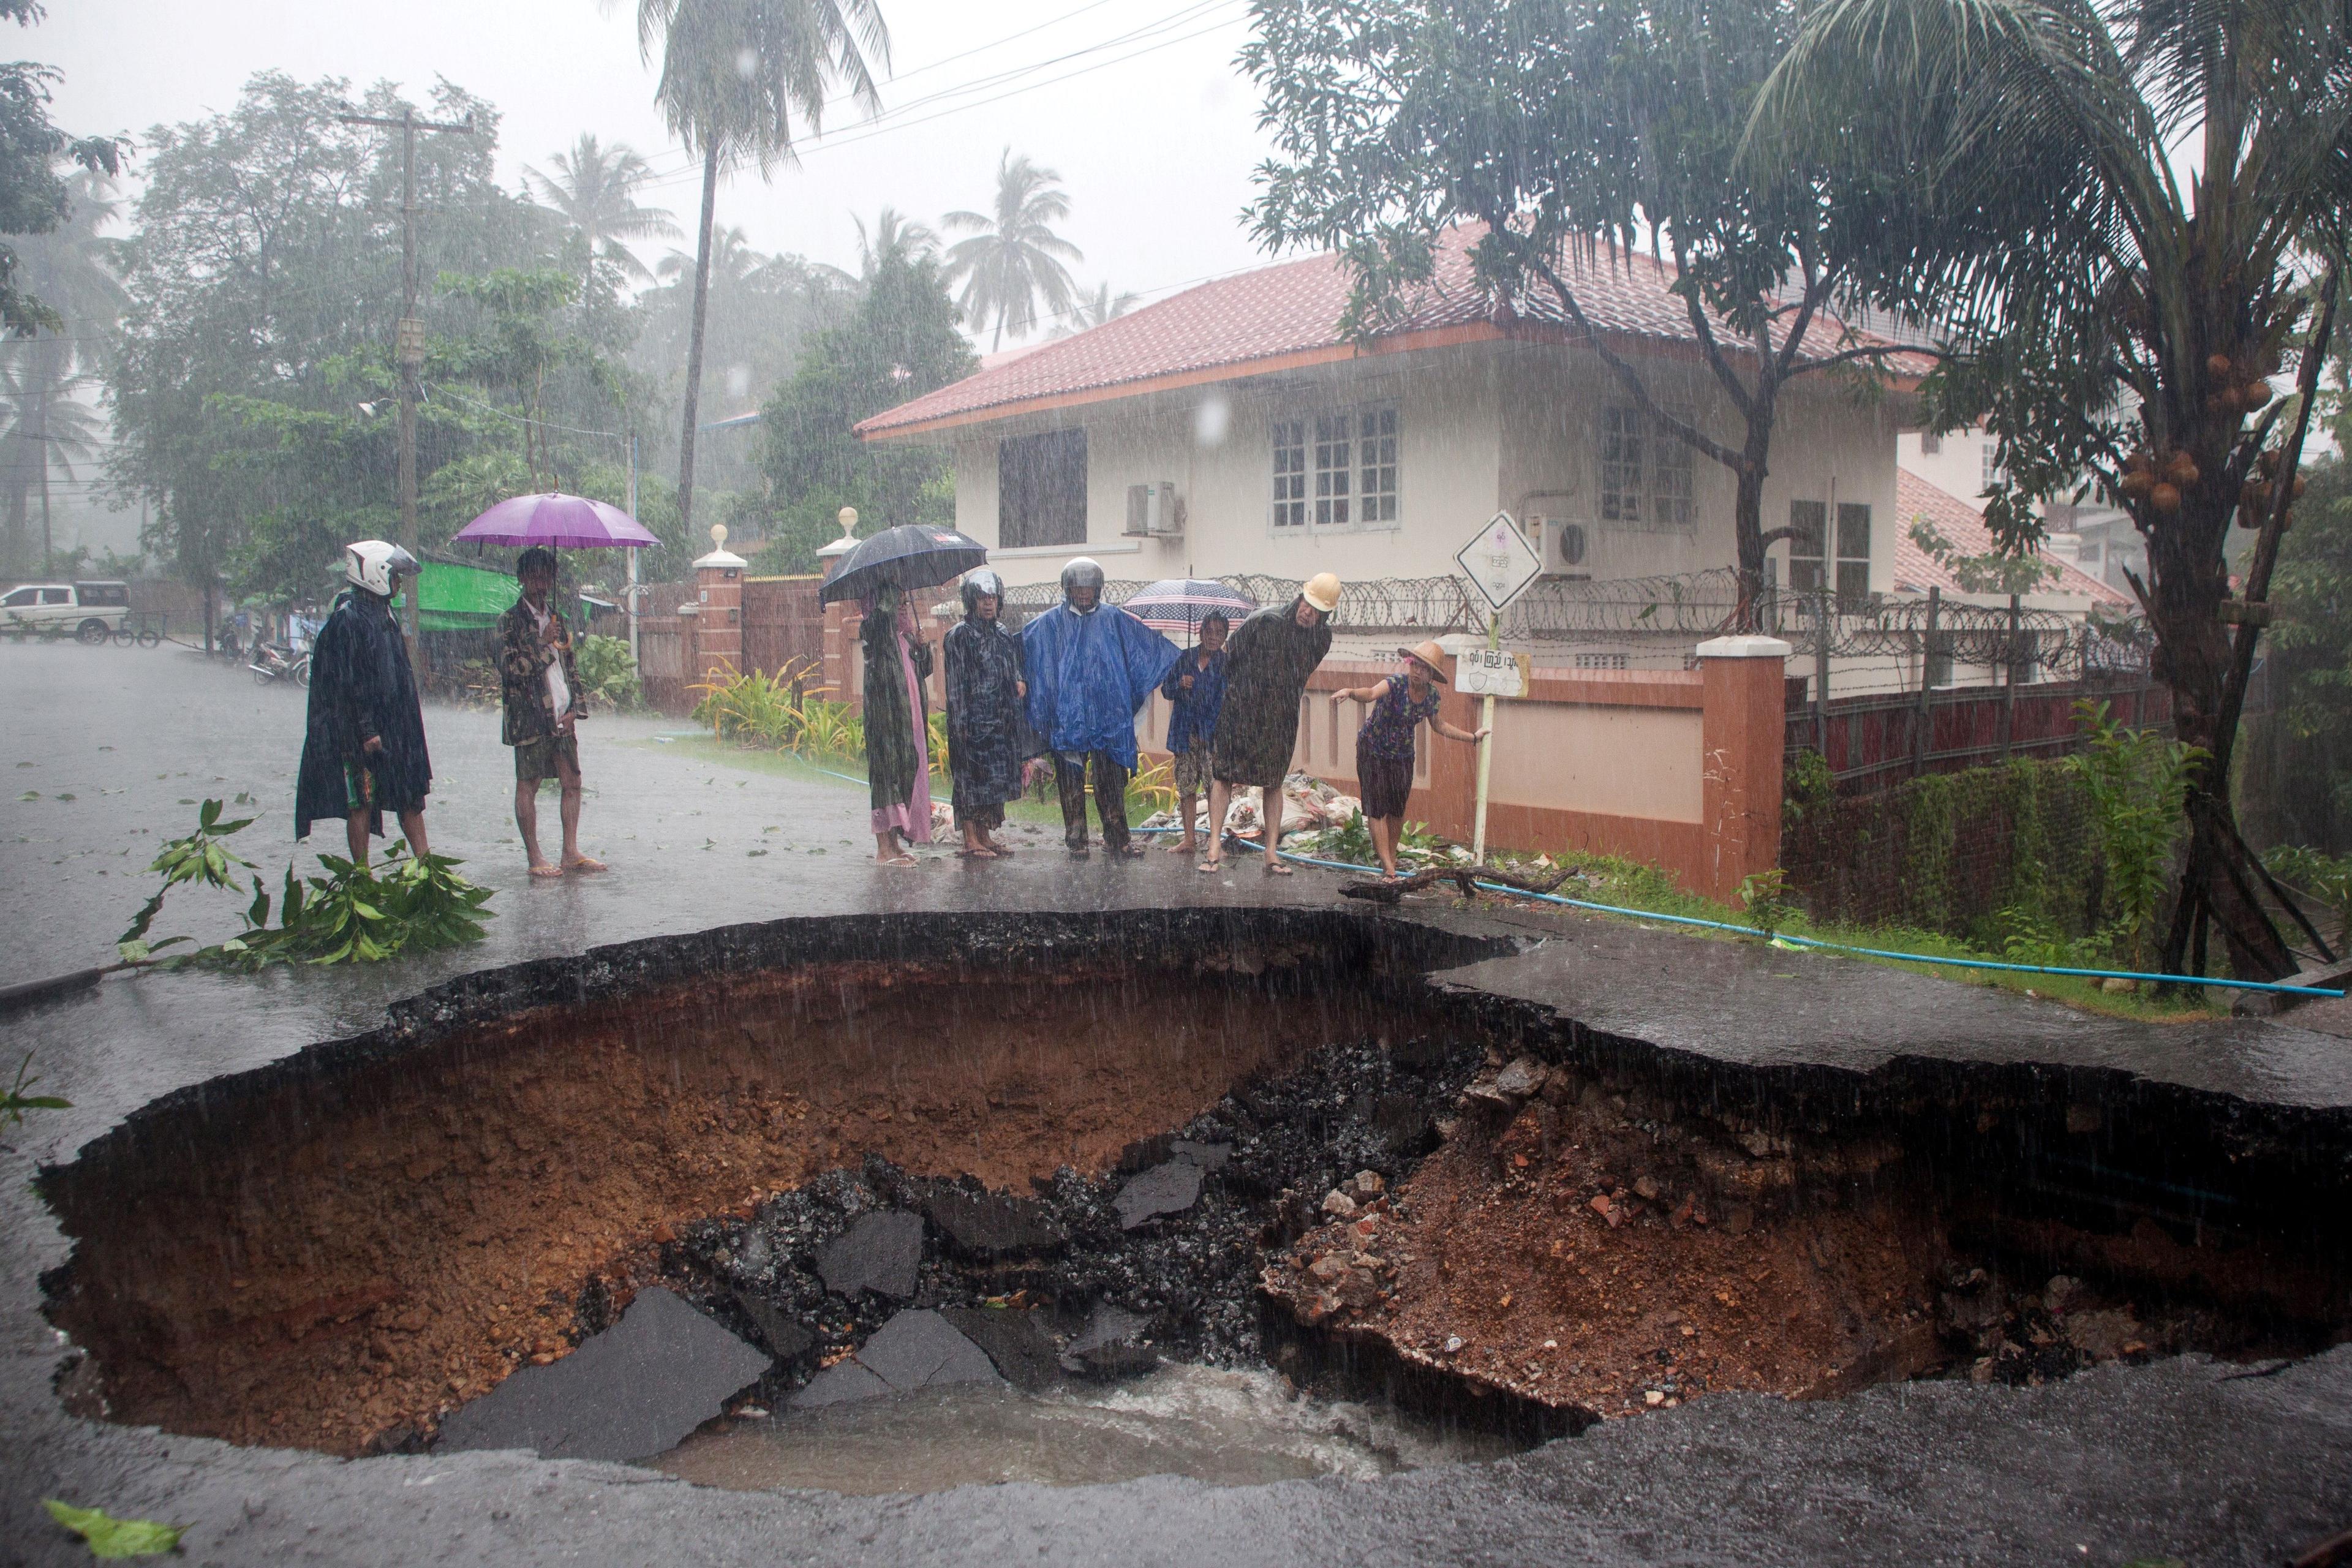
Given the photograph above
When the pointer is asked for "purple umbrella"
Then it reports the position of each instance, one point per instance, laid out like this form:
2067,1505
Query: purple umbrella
571,522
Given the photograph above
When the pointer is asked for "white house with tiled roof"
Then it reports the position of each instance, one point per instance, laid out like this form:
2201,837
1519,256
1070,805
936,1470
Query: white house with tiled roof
1230,428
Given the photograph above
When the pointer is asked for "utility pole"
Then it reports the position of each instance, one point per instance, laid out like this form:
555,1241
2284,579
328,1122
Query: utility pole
409,340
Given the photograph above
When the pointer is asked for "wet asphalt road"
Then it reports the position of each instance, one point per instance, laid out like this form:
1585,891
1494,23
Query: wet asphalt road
2186,1459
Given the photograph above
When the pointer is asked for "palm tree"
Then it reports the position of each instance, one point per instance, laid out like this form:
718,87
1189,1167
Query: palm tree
2120,207
894,237
48,427
1012,262
595,188
70,269
1094,309
734,73
731,262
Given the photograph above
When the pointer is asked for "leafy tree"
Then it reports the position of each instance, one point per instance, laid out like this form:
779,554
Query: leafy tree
595,188
33,198
2117,312
1564,129
1012,262
2310,780
734,74
263,276
902,342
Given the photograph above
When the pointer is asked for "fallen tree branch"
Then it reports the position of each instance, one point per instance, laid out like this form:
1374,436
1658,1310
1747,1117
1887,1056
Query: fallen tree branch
1383,891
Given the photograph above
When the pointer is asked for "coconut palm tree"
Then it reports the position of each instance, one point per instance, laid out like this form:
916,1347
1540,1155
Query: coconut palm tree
595,188
1094,309
895,237
1012,262
71,270
734,75
47,429
2121,207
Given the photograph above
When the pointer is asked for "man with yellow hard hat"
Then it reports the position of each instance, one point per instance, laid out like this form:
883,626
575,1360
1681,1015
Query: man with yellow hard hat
1267,667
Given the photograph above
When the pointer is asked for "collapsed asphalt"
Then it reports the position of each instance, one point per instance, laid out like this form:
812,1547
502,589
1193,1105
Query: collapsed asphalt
2186,1458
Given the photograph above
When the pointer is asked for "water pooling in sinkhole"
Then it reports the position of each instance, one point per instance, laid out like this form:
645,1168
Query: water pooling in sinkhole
1224,1426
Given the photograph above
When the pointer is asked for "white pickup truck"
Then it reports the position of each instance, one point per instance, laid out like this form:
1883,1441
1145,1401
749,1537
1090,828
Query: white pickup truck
91,612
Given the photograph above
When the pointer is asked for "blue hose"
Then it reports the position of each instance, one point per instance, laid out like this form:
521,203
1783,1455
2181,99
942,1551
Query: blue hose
1808,941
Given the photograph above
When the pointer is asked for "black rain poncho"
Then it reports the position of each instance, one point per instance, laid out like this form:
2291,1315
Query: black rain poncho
1266,666
987,734
361,685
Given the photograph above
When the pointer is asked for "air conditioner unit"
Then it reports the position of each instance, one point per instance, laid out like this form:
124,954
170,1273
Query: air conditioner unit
1153,510
1561,545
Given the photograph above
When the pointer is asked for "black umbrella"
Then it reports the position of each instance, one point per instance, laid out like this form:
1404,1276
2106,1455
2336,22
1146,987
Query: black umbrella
912,555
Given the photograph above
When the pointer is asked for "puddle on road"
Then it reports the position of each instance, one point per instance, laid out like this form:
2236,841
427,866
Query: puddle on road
1226,1426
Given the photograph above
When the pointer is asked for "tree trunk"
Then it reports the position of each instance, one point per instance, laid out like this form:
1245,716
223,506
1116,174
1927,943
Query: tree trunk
1748,531
694,341
2193,659
40,444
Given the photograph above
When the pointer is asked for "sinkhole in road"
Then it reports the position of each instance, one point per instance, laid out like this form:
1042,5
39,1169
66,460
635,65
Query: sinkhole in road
1240,1193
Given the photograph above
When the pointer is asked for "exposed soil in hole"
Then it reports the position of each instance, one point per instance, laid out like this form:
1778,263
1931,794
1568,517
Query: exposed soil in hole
321,1280
1587,1247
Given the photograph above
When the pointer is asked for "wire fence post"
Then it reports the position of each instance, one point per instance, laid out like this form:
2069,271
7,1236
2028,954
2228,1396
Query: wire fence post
1822,627
1927,722
2009,685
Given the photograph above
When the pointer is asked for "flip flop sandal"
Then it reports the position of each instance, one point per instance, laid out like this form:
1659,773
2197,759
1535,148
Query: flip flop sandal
1209,868
546,873
584,864
897,861
1279,869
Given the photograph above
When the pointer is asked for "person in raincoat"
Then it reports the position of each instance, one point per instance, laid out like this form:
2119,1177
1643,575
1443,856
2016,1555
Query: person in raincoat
1267,667
1195,690
897,726
1091,668
363,746
986,687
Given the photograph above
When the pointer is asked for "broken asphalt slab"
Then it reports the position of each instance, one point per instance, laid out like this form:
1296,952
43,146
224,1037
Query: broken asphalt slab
1164,1189
984,1226
882,1253
916,1349
634,1390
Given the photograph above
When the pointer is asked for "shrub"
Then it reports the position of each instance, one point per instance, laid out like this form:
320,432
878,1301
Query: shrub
608,674
2137,779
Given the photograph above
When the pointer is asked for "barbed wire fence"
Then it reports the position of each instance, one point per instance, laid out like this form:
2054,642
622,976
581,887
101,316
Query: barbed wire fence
1659,621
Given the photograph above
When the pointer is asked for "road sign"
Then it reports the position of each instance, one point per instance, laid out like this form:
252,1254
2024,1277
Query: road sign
1499,561
1490,672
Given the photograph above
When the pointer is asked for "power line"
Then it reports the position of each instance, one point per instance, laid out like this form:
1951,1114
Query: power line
886,122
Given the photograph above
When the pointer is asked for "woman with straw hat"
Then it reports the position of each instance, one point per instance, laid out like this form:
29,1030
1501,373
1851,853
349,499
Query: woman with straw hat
1267,667
1384,742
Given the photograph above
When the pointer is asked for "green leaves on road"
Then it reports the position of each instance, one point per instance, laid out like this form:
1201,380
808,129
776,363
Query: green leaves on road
107,1536
352,914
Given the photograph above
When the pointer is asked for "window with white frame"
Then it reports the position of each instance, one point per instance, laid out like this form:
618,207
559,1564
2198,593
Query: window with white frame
1812,566
1646,475
1336,469
1991,468
1289,473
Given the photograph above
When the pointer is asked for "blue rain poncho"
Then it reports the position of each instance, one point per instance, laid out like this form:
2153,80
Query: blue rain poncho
1090,675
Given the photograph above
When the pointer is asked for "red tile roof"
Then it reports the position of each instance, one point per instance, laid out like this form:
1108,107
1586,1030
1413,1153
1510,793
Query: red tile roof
1284,316
1963,525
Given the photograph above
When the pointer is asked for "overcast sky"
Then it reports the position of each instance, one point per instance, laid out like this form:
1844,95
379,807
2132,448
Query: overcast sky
1155,137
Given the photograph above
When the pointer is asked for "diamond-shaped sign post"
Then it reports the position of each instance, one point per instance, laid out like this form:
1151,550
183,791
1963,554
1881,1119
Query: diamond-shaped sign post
1500,563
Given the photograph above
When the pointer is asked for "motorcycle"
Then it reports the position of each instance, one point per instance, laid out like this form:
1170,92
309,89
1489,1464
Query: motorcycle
278,661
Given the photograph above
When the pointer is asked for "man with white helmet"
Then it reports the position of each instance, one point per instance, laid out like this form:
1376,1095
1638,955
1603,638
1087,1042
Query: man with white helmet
1091,667
363,753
